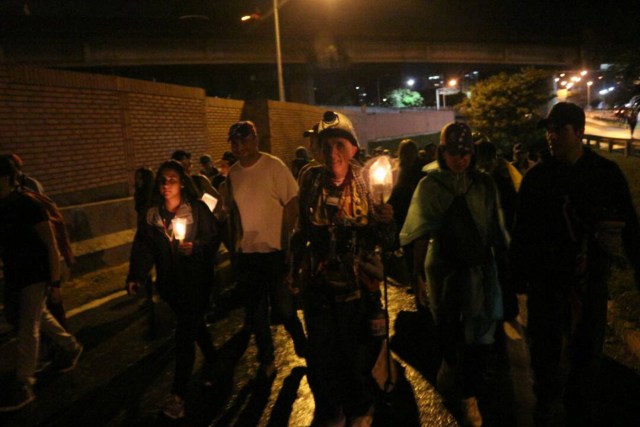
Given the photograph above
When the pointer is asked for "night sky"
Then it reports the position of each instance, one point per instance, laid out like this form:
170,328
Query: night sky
607,29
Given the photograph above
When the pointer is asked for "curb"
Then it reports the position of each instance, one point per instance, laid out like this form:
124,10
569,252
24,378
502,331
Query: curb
627,331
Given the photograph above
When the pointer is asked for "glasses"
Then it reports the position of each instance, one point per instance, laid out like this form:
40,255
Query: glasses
172,180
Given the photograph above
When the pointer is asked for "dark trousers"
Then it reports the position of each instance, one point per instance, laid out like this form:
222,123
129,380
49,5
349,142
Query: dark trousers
191,329
260,277
340,356
566,335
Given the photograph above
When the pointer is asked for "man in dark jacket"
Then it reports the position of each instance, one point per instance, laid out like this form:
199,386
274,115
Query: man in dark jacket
574,217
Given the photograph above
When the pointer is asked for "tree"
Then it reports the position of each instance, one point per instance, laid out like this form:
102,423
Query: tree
506,107
405,98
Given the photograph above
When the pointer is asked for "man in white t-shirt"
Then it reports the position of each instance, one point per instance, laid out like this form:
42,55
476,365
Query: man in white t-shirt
264,193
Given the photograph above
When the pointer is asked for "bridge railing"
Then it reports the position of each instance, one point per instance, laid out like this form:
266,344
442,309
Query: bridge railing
628,147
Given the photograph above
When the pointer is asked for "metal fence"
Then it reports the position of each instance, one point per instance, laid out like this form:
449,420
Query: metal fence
628,147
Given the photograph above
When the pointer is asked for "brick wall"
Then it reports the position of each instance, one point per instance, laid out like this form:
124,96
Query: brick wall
83,136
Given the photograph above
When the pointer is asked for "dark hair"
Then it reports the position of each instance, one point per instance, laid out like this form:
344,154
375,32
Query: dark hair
188,190
407,152
229,157
9,168
180,154
143,194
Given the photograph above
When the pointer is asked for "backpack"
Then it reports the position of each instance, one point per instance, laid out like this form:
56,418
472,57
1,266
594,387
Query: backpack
57,220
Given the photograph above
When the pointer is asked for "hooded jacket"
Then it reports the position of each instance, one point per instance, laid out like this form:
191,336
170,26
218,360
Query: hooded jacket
176,273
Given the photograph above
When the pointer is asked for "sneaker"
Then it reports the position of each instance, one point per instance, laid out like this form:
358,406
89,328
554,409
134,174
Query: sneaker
66,360
173,407
267,371
17,398
471,413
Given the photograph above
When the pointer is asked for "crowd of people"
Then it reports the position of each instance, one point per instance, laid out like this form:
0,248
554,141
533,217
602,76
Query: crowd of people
473,230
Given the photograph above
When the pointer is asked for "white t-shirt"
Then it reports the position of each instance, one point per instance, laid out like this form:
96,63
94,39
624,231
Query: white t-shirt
261,191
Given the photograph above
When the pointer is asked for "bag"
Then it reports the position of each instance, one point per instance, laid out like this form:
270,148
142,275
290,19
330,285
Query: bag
57,220
459,240
384,371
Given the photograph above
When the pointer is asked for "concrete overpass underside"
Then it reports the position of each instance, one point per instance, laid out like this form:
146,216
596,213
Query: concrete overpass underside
69,52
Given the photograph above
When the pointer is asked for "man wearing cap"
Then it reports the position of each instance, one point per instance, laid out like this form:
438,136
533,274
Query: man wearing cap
263,206
521,158
339,229
455,221
574,218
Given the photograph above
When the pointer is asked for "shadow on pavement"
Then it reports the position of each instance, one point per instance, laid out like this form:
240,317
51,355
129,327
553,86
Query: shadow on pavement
414,340
208,405
120,394
281,411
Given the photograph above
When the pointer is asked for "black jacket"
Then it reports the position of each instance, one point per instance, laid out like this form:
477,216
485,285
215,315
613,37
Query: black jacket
559,207
179,277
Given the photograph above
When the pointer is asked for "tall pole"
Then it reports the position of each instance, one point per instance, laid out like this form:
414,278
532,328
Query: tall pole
276,21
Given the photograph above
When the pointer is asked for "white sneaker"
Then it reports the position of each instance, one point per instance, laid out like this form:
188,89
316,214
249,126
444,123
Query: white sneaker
471,413
173,407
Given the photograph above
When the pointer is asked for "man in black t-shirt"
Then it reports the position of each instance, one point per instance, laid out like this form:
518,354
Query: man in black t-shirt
30,257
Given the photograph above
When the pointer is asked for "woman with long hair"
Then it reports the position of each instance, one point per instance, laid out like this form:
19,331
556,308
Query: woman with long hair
184,270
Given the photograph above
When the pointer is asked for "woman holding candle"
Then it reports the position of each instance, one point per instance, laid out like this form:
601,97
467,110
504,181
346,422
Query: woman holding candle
178,237
455,221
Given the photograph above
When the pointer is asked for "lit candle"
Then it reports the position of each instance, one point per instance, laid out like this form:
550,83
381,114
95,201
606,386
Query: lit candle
380,179
179,228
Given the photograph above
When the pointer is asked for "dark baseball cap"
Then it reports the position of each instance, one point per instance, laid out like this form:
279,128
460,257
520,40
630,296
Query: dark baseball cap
564,113
242,130
456,139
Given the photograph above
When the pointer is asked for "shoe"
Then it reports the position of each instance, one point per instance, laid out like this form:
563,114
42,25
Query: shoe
17,398
471,413
66,360
365,420
173,407
267,372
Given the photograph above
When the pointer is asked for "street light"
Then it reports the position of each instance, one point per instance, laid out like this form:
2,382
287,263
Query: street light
276,20
589,84
276,23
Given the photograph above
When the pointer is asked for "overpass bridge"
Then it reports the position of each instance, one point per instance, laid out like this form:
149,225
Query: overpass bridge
359,32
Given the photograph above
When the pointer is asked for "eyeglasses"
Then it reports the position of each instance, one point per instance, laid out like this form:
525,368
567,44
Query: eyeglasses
172,180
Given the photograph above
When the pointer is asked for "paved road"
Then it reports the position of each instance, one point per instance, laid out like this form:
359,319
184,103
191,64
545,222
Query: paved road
127,368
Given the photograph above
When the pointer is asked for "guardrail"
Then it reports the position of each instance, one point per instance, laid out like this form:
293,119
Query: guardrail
628,147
